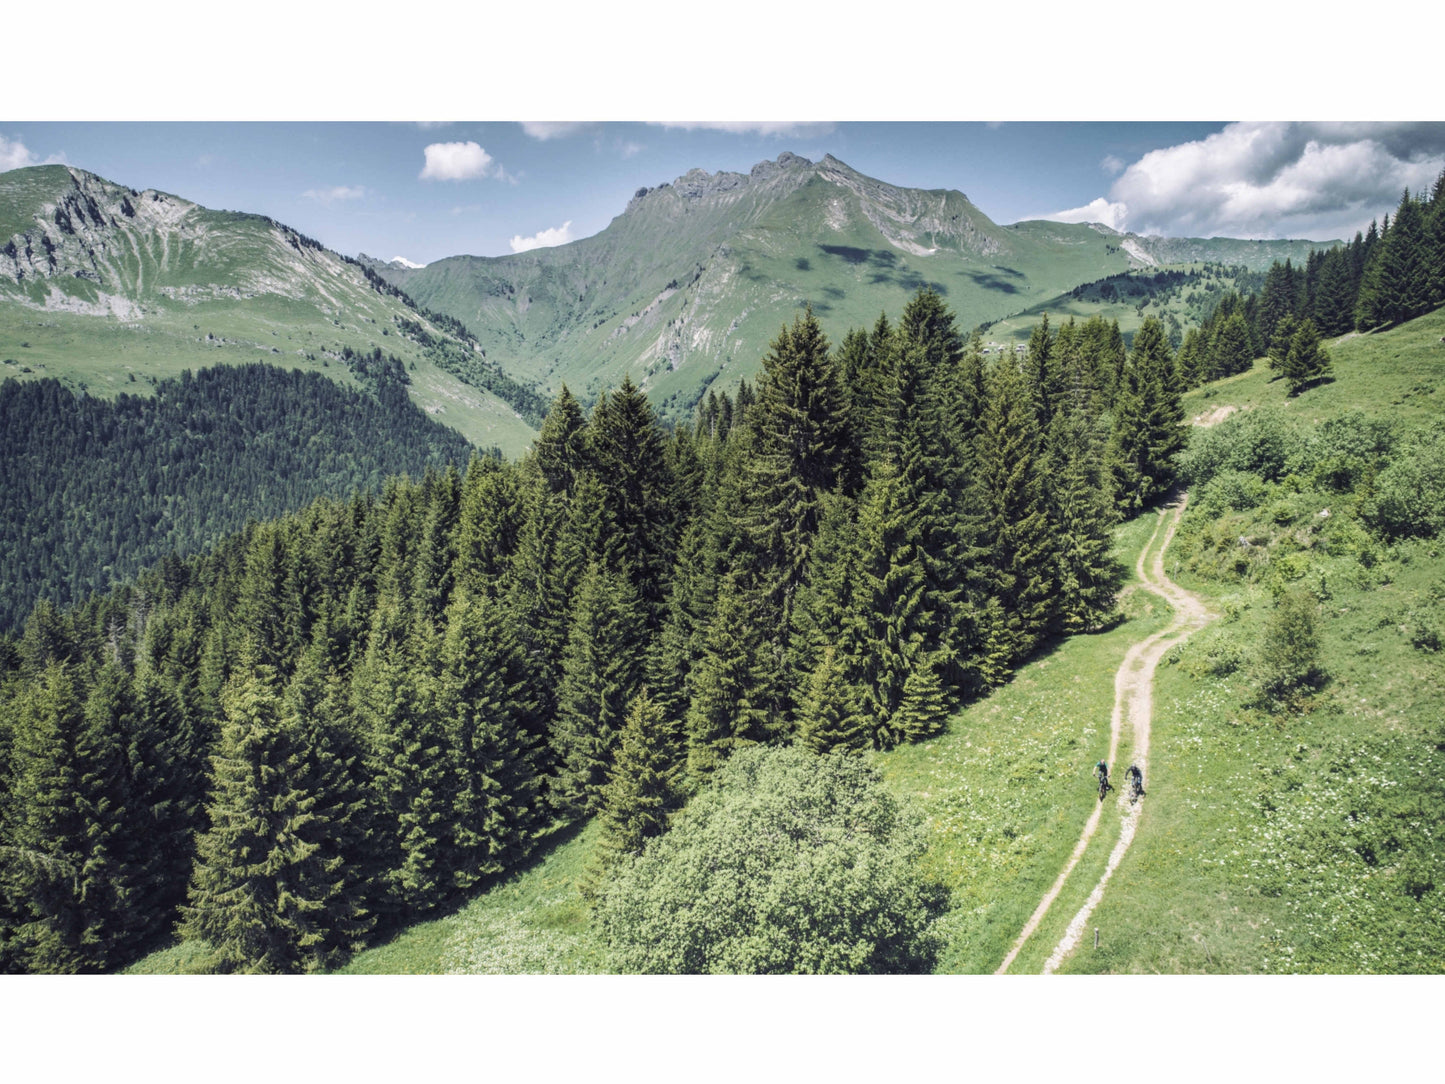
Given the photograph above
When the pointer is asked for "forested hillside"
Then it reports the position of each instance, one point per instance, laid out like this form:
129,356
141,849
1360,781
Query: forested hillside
399,693
109,289
93,490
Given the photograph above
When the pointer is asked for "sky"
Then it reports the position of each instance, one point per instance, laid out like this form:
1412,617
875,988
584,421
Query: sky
423,190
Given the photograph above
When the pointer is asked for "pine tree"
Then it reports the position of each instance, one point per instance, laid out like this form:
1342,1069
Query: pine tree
560,451
484,704
1307,363
1082,511
628,452
828,716
1012,493
736,682
602,670
1148,421
925,704
803,439
64,851
1230,350
260,888
643,789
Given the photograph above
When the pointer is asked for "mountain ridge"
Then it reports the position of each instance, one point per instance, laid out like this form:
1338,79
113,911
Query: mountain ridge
691,281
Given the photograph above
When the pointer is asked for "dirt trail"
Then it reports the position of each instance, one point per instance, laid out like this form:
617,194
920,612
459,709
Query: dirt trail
1134,701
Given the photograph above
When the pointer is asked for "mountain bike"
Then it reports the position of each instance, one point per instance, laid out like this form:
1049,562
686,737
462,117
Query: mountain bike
1136,790
1104,787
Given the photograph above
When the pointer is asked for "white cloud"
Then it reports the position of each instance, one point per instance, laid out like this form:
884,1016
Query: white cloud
407,263
1112,164
16,155
629,149
552,129
456,162
338,192
1275,179
1100,210
558,235
778,128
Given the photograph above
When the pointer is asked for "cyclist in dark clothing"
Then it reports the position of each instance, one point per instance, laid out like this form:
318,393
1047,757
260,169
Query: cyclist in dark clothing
1135,778
1101,772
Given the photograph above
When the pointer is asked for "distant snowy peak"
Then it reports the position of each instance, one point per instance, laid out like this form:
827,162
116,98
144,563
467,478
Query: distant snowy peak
402,261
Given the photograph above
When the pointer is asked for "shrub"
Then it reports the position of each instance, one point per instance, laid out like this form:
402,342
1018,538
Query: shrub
789,863
1264,442
1409,498
1289,653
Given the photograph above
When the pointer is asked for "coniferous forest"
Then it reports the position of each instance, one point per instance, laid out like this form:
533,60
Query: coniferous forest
332,723
93,490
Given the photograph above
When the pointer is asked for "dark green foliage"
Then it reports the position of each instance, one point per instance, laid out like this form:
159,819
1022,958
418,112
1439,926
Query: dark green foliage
828,716
1011,491
602,670
264,881
1288,662
791,863
736,683
65,873
483,703
1148,422
1306,363
644,789
801,419
177,471
1230,349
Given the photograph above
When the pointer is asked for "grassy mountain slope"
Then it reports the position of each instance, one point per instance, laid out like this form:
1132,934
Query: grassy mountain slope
1180,296
1305,838
108,289
692,281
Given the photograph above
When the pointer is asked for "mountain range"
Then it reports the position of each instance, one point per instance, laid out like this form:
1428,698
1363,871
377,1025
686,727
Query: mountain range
687,286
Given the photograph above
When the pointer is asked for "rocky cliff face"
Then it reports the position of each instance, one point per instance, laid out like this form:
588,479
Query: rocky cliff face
87,245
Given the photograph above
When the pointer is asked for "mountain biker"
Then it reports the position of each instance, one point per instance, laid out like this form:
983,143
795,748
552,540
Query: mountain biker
1135,776
1101,772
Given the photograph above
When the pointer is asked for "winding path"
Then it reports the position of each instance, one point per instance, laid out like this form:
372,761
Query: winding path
1134,701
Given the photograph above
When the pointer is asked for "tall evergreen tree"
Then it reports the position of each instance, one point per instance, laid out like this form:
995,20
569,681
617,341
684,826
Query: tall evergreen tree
644,787
602,670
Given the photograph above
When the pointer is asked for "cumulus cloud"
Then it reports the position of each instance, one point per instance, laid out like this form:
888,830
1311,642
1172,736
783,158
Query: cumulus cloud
457,162
558,235
1113,165
1270,180
780,128
552,129
335,193
16,155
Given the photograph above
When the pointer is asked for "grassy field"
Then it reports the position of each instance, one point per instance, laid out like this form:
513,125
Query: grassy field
1304,839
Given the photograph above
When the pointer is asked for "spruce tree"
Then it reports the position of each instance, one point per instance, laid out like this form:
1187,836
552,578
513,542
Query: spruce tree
484,703
602,670
64,846
261,884
1306,363
828,716
735,701
643,789
1009,475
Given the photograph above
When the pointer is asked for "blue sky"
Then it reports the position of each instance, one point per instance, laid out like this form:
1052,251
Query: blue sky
424,191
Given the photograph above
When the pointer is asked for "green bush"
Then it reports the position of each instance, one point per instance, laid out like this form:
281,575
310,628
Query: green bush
1409,498
1289,654
790,863
1264,442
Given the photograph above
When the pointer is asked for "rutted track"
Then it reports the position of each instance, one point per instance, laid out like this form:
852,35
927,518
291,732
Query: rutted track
1134,700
